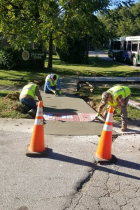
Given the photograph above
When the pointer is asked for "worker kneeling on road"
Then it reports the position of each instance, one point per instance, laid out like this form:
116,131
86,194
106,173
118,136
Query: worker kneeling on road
50,84
27,97
117,97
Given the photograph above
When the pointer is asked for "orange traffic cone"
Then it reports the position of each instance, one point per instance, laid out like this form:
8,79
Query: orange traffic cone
104,147
37,147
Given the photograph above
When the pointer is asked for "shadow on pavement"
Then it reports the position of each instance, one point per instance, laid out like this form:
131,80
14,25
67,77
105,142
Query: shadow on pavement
55,156
55,110
128,164
122,163
68,159
132,130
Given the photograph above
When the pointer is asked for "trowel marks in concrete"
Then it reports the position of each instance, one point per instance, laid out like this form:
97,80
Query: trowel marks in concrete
69,116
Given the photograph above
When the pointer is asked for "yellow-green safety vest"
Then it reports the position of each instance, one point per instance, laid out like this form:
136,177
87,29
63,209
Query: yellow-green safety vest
29,90
51,81
116,91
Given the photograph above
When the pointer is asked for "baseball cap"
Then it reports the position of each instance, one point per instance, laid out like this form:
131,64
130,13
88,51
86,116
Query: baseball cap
105,97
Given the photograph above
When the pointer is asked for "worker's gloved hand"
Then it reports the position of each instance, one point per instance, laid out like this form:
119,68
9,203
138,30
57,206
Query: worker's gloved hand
54,91
97,115
60,92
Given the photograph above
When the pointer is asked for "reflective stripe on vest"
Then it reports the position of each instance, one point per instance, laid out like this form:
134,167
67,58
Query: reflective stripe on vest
29,90
115,92
51,80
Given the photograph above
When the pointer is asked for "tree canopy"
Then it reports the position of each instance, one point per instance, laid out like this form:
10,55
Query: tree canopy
28,21
48,21
124,20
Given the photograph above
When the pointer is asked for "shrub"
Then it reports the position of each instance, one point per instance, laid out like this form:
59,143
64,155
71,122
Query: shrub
8,58
12,59
74,52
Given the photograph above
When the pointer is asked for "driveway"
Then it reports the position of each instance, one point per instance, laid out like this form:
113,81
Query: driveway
104,55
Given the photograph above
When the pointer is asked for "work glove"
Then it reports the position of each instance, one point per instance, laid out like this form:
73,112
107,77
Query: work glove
97,115
54,91
60,92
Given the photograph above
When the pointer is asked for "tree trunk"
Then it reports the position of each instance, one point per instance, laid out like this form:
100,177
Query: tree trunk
87,48
50,52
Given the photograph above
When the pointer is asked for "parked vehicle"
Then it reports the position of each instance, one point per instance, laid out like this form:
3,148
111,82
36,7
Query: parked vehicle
125,49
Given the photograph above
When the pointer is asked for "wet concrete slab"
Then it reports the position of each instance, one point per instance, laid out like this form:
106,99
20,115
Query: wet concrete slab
73,128
67,107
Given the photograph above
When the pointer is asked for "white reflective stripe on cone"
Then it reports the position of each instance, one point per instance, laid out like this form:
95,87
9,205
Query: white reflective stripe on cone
39,112
38,121
109,117
107,127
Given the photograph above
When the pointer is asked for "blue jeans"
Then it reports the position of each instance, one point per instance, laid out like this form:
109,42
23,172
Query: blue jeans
46,90
30,102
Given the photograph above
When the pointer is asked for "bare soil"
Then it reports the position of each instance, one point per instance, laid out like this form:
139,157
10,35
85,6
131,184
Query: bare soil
11,99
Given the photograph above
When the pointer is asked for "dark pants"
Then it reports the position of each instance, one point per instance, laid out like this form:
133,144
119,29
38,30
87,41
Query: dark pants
124,112
30,102
46,90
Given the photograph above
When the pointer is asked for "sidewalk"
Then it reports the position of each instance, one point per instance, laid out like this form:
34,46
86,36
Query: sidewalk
67,114
69,178
110,79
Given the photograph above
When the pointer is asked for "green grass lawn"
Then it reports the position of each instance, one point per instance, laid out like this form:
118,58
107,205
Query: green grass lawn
16,78
96,67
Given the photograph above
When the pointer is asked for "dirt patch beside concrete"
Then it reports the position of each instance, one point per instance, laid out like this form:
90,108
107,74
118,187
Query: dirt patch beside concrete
11,107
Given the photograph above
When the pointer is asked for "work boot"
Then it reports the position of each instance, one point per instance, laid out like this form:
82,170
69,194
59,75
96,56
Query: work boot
25,109
123,128
32,113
